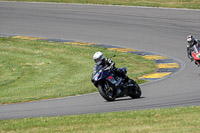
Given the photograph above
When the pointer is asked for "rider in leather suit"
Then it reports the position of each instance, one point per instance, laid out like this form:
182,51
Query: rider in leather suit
100,60
191,42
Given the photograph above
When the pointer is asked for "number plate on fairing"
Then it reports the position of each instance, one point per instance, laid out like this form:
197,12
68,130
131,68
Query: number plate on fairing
113,81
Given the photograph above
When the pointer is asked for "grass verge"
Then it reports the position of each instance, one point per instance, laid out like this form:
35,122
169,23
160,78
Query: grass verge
190,4
176,120
34,70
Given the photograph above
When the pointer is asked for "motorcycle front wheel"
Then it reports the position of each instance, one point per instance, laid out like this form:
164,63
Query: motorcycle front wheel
106,92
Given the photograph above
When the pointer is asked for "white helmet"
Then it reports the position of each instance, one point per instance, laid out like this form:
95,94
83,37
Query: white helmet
98,57
190,39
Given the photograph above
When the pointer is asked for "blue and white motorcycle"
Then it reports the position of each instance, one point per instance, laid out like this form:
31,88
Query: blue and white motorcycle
112,86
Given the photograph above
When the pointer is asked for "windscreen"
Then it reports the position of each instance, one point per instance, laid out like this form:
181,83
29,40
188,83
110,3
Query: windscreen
96,69
196,50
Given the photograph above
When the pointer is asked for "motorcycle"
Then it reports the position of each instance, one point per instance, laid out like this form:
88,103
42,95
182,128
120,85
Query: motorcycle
112,86
196,55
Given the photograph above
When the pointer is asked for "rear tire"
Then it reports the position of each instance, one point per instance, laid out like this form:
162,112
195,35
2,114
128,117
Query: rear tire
135,91
106,96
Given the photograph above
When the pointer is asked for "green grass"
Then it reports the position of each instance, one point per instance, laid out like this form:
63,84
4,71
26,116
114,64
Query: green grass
170,120
191,4
34,70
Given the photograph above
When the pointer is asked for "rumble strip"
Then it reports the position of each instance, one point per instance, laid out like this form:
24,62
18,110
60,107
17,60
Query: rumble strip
165,65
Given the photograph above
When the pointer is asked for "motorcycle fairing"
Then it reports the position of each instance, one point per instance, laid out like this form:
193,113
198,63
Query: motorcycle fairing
196,53
113,81
196,56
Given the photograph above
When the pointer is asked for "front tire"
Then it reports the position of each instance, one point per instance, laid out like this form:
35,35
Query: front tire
109,95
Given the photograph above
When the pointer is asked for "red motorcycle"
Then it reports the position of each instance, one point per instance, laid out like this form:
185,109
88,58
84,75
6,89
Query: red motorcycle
196,55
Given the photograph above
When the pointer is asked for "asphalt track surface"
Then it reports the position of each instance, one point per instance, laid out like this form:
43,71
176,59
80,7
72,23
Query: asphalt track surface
157,30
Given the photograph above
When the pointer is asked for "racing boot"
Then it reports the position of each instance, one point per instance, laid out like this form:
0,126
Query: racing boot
197,63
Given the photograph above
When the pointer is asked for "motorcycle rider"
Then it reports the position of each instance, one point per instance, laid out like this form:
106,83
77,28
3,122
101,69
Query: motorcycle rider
100,60
191,42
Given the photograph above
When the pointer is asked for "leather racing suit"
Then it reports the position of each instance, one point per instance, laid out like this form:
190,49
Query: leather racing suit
108,62
190,48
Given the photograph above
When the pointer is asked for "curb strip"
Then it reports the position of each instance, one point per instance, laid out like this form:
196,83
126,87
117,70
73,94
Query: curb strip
165,66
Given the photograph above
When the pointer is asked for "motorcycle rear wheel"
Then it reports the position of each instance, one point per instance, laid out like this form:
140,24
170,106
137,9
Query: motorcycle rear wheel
136,91
106,96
